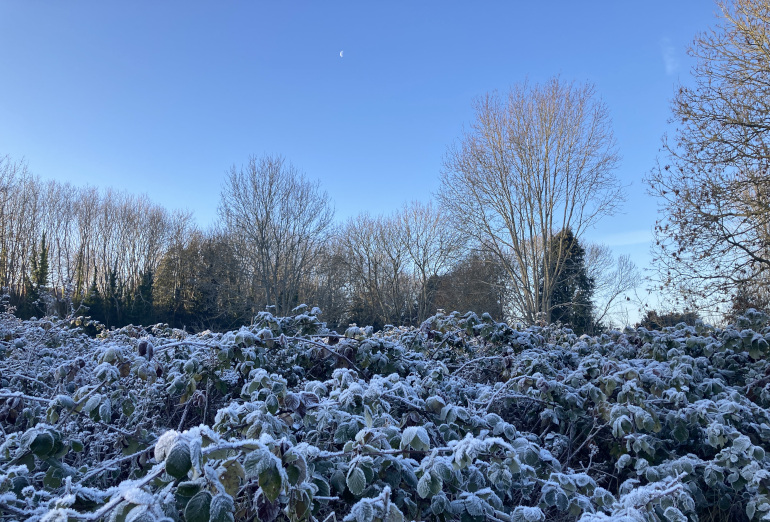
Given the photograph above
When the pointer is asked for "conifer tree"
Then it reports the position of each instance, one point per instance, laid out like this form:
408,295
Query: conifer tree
35,284
571,300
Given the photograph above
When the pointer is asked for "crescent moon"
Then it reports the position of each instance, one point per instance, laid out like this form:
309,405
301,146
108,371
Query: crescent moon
341,54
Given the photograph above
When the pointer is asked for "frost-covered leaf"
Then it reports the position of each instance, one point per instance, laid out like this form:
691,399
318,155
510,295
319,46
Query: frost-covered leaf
356,480
222,508
672,514
198,509
415,437
271,482
178,462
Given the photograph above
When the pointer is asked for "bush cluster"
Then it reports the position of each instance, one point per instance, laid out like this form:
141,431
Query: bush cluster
462,418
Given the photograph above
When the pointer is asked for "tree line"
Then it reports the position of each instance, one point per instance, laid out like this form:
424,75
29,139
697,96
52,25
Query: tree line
122,259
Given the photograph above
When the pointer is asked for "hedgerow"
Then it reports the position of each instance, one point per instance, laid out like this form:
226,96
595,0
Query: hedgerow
463,418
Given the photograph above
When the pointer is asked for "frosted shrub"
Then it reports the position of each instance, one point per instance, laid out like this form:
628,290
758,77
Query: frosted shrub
463,418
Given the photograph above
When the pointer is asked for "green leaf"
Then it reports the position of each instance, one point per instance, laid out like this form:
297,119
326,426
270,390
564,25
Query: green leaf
272,404
672,514
252,462
271,483
128,407
439,504
297,468
423,486
198,508
680,433
562,501
751,508
222,508
189,488
42,444
338,481
178,462
18,483
416,437
356,480
53,478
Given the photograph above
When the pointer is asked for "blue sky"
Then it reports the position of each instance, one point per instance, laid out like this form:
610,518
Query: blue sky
163,97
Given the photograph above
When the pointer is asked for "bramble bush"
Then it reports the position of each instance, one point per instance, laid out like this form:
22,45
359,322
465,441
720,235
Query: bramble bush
462,419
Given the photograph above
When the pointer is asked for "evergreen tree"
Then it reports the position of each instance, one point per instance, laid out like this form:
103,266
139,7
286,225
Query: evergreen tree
113,300
94,302
142,310
40,269
35,284
571,300
657,321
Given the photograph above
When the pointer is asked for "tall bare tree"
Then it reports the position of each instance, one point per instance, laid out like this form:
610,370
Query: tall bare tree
532,163
432,244
713,239
279,220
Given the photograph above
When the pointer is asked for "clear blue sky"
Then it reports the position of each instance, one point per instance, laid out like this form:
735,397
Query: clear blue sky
163,97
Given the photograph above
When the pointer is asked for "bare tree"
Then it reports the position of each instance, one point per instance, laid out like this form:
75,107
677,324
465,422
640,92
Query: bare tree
713,239
279,219
612,278
533,163
380,284
432,246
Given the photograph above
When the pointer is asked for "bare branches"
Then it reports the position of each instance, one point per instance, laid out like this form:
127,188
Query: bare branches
279,219
533,163
714,238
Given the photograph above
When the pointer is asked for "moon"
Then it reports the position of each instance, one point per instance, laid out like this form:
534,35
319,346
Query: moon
341,54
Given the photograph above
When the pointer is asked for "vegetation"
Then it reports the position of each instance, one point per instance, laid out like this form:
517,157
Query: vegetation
121,260
463,418
712,239
533,163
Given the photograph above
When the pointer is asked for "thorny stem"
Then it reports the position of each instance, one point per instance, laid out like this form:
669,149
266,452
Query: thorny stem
112,463
325,347
474,361
13,395
31,379
109,506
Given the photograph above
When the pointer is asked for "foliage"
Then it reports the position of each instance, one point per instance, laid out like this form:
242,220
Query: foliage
712,239
653,320
463,418
572,295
